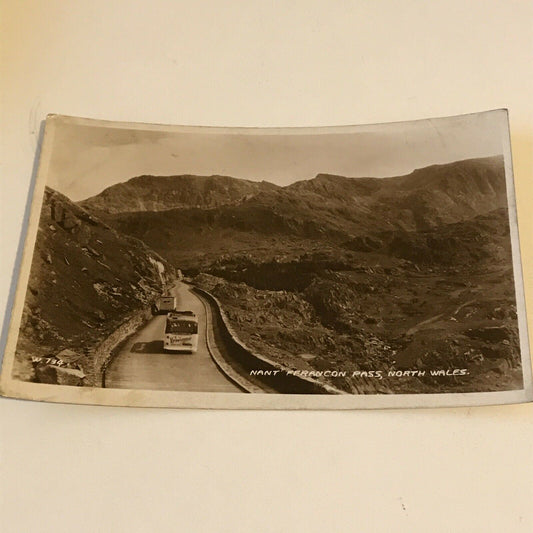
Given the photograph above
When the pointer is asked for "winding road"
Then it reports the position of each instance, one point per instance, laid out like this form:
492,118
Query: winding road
142,363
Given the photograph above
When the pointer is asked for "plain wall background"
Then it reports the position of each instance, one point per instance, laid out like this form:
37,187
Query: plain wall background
246,63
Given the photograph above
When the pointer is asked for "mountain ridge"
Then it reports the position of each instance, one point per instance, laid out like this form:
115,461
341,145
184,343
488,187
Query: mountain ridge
160,193
327,210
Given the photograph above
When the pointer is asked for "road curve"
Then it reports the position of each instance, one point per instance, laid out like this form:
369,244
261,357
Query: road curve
142,364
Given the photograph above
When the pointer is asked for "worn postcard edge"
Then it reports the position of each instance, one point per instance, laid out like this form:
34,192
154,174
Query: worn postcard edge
10,387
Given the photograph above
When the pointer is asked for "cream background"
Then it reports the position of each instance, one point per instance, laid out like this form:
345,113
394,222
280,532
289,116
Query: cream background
239,63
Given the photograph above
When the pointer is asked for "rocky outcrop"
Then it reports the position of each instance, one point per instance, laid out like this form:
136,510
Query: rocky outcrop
55,375
490,333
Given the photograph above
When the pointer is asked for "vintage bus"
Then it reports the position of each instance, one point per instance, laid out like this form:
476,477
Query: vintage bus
164,304
181,332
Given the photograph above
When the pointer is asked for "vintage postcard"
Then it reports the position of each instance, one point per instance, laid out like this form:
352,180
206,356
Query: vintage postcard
295,268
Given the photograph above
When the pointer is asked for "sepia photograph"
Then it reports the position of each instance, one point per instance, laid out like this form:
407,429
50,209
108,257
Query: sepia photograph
266,266
338,267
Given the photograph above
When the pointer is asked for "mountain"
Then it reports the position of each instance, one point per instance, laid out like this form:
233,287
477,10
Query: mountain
85,279
159,193
426,198
326,210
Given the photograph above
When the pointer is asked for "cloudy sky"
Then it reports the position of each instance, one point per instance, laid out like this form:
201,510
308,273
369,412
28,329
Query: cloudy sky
88,158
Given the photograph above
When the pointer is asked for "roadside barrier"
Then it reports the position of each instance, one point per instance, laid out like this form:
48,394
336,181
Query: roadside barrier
271,373
105,352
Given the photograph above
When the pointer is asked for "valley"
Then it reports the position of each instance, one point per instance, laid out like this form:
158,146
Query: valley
413,272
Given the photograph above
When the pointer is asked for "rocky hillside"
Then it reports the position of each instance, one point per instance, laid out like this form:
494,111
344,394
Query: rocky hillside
428,197
159,193
410,273
85,280
366,318
484,237
286,328
353,212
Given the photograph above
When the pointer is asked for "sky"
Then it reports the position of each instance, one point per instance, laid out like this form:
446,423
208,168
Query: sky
86,159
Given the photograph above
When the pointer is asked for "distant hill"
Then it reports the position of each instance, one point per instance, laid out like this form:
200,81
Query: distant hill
159,193
334,210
